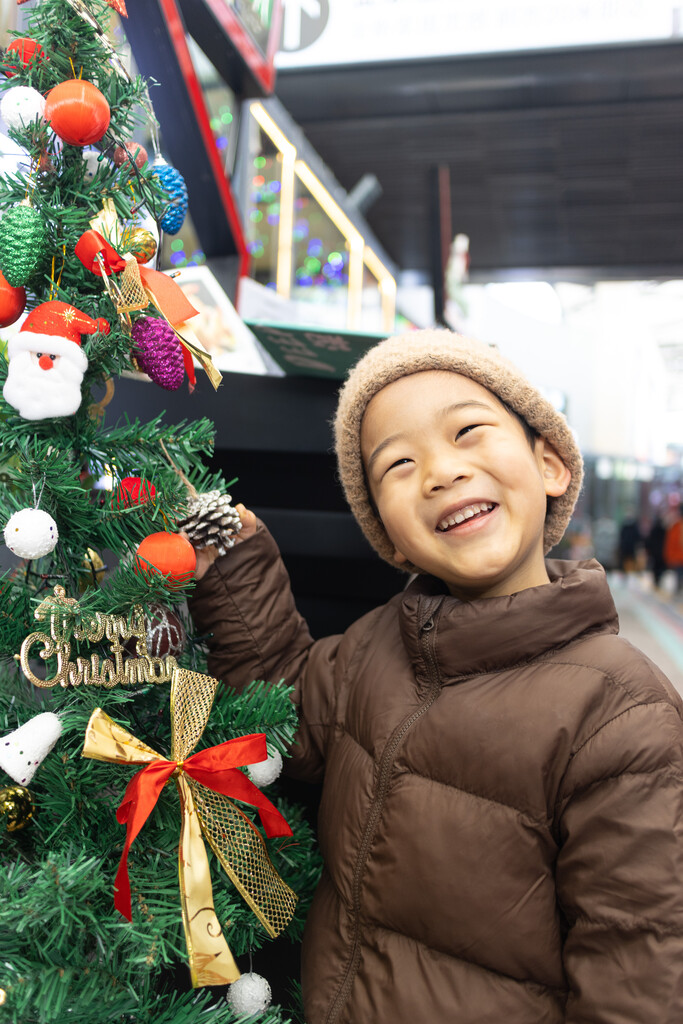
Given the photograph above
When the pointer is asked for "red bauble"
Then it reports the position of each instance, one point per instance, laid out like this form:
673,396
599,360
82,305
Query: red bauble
131,151
77,112
12,302
168,554
20,53
133,490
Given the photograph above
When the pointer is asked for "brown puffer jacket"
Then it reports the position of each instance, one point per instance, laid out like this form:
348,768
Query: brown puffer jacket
502,809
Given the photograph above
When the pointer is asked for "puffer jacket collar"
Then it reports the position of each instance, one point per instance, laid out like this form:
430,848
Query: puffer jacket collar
495,633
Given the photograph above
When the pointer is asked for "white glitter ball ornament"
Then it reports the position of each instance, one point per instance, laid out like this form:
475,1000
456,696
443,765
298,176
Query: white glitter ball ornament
249,994
264,772
31,533
20,105
22,751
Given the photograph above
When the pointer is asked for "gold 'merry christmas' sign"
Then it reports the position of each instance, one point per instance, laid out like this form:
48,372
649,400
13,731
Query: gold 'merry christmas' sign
60,610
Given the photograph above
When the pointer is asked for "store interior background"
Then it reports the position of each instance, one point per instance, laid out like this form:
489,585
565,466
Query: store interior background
545,133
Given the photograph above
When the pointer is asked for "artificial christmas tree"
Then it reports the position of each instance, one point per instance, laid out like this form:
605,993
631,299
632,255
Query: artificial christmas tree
92,512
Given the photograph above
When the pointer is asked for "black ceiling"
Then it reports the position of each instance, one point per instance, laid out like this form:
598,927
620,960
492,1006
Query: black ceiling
565,159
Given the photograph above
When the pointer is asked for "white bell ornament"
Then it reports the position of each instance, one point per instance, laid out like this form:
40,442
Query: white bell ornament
23,751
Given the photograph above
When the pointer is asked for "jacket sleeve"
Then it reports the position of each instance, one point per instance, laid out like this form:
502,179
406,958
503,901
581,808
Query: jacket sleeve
619,872
245,608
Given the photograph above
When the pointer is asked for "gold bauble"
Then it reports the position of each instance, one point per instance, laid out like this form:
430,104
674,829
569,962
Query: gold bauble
3,997
142,244
91,571
17,806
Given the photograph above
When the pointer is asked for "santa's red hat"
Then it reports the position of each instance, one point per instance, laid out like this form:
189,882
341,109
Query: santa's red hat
56,328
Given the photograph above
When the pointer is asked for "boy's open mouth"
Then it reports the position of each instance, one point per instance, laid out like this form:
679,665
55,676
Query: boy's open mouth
475,511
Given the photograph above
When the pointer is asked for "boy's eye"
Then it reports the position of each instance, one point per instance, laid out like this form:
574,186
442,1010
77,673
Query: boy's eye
466,430
399,462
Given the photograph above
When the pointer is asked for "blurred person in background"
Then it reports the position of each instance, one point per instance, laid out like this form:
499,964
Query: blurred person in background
630,541
654,545
673,548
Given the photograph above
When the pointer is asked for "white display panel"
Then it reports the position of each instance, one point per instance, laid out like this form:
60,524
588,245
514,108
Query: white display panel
328,32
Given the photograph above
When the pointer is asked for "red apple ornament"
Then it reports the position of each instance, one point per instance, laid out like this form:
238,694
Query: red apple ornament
168,554
77,112
12,302
20,54
133,490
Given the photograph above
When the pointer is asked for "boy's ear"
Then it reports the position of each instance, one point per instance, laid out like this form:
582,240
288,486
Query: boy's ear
556,476
399,557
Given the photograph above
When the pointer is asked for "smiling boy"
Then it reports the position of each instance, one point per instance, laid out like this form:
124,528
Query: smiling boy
502,812
458,487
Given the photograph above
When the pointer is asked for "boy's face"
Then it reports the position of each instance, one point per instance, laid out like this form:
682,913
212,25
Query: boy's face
457,486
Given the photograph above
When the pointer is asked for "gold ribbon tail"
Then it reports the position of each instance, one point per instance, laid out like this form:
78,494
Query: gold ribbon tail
211,962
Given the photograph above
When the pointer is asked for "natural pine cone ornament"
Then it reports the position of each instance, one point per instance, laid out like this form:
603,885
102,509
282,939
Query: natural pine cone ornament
211,520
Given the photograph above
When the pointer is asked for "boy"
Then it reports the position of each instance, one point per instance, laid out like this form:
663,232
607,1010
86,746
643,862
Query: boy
501,816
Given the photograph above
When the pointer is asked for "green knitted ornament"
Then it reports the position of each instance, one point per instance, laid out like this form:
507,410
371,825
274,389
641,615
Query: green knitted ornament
23,244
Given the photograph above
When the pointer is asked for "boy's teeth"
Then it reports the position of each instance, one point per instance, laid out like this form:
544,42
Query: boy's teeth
464,513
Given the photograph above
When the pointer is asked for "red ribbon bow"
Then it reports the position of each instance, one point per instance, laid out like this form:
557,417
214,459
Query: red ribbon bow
217,769
90,245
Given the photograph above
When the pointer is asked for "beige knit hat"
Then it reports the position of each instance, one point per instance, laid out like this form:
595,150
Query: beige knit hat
443,350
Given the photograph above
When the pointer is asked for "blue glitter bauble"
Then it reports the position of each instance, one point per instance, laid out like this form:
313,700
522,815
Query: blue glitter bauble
172,183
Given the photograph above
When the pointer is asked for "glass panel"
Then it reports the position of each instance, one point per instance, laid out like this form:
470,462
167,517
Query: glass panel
257,18
262,220
320,257
183,249
371,309
221,105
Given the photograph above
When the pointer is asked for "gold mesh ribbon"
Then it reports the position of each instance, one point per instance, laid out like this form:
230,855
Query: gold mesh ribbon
132,294
207,814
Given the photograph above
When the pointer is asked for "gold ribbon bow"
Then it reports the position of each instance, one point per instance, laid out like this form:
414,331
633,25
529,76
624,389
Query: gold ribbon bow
207,814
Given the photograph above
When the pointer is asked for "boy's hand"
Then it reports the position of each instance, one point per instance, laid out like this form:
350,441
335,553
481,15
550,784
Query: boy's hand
207,556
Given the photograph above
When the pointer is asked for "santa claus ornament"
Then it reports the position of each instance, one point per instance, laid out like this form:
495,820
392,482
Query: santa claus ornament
46,362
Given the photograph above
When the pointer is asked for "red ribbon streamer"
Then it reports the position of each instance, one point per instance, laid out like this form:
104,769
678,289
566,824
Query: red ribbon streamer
169,296
189,368
90,245
217,769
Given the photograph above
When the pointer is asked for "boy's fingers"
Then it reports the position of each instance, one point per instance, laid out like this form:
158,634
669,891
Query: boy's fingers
248,520
205,559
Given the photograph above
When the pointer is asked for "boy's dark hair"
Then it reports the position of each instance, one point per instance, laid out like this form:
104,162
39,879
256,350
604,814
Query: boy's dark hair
529,432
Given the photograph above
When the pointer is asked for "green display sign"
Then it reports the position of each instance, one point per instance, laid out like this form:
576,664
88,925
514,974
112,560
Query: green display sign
313,351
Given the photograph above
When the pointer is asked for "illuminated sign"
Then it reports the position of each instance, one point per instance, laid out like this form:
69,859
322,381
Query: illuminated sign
326,32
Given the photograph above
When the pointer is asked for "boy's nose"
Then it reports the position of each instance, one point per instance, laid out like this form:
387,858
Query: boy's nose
442,472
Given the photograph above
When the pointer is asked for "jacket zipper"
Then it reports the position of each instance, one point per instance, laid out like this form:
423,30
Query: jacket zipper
386,764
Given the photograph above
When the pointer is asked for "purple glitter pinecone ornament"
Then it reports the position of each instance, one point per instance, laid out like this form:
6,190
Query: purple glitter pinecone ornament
158,352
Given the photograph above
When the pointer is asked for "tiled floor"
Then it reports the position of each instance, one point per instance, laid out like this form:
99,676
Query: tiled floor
652,621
